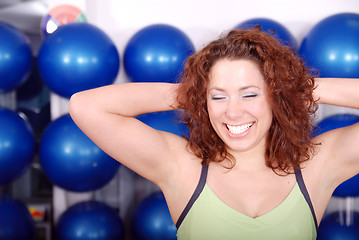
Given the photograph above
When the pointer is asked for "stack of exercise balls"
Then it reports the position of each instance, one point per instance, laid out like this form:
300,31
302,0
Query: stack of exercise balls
156,53
76,57
17,143
332,48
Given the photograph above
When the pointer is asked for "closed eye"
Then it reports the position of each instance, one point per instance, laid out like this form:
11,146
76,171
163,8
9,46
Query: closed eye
218,97
249,95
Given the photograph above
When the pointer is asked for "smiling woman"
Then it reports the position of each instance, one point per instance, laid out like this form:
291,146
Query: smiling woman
248,167
279,76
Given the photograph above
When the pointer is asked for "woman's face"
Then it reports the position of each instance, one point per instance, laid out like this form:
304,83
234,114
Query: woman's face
238,105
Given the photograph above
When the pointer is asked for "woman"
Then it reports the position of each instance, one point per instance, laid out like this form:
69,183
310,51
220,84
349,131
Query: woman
249,168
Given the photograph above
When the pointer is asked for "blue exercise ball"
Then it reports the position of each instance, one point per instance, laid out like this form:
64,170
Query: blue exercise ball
15,58
152,219
157,53
164,121
282,34
17,145
76,57
90,220
16,222
351,186
336,226
332,48
71,160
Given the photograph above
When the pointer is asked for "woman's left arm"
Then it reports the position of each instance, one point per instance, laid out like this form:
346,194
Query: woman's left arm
337,91
340,146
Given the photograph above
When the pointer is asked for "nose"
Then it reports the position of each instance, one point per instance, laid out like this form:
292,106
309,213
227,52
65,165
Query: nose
234,109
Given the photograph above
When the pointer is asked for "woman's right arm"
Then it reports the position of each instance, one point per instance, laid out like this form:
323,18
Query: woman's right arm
340,146
107,116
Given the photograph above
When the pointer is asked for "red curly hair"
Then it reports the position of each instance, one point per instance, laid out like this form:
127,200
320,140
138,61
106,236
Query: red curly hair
290,88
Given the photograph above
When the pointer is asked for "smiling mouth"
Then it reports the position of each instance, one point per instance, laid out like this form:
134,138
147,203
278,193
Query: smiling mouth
239,128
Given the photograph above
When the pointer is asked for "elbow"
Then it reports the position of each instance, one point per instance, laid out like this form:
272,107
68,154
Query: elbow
76,103
82,105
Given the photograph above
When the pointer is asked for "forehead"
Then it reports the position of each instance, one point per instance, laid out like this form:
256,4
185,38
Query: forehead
235,73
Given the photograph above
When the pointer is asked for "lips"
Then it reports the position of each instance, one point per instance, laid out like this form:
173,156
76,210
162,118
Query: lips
238,129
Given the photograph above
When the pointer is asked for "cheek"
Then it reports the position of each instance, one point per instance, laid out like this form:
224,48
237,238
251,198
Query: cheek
267,116
263,110
214,114
214,110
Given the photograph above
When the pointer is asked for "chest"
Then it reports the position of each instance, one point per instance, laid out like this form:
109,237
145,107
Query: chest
251,195
210,218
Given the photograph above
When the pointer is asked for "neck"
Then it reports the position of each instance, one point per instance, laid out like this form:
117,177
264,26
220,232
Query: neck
252,164
250,161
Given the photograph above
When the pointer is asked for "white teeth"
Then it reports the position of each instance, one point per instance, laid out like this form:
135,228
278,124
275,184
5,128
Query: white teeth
239,129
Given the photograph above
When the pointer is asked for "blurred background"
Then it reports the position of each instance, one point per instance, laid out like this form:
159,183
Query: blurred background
54,182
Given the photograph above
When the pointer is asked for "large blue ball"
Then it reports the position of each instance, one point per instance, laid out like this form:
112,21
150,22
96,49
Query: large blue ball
336,226
90,220
71,160
152,219
16,222
76,57
351,186
17,145
15,58
157,53
282,34
332,46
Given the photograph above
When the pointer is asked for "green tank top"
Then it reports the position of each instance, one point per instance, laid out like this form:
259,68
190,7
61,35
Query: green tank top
207,217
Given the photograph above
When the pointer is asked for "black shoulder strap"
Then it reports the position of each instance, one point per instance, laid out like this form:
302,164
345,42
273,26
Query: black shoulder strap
197,192
303,189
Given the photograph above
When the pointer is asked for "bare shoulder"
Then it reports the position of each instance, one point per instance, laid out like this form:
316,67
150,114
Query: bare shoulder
182,181
315,175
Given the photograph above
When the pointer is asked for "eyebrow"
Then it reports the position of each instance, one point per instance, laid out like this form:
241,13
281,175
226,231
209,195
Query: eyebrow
240,89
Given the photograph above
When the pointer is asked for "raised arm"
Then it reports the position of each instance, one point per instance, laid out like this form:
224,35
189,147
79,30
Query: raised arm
339,147
338,91
107,114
